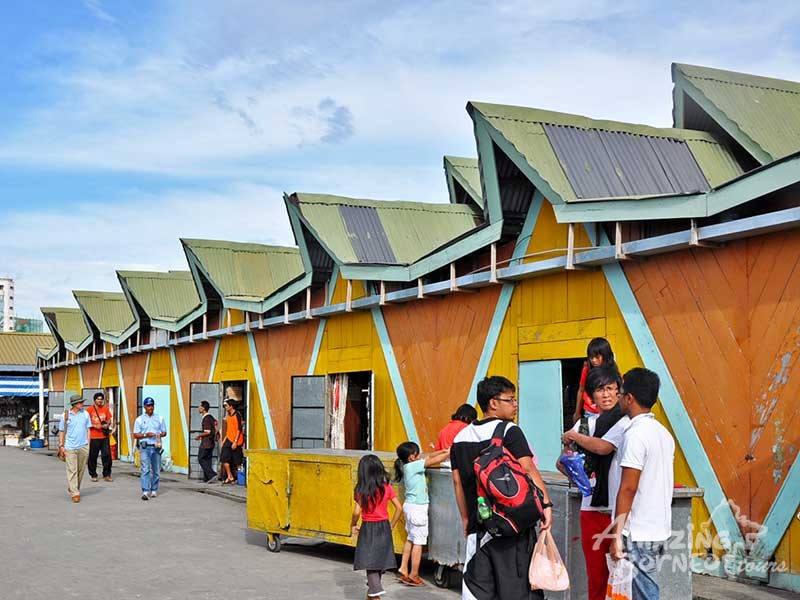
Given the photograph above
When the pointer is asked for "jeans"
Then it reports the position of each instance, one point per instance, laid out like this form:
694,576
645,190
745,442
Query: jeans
645,557
150,459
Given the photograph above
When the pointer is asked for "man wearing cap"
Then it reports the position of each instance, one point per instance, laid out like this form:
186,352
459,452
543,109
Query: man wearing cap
73,441
148,430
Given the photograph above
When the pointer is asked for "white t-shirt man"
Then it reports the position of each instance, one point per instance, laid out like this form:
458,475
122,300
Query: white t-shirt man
614,437
648,447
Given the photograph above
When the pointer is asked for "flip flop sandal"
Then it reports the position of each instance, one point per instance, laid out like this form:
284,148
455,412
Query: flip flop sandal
415,582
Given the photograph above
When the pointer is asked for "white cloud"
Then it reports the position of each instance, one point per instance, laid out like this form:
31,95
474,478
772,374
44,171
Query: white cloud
54,252
226,89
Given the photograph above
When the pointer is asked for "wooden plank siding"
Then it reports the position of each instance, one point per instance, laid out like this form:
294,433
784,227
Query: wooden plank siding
133,367
727,321
91,374
553,317
160,372
438,344
193,361
284,352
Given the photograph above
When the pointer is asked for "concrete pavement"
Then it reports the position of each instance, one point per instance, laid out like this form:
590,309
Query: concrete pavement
180,545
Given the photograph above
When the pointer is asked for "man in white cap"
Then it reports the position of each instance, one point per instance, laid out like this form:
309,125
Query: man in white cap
148,430
73,443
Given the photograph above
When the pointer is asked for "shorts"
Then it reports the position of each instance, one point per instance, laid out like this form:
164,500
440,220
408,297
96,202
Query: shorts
416,523
228,455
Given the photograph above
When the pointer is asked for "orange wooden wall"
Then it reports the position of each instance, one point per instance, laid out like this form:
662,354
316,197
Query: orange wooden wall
91,374
727,322
438,343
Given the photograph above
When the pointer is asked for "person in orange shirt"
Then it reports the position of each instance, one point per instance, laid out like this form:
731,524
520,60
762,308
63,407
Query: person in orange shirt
230,455
101,429
464,415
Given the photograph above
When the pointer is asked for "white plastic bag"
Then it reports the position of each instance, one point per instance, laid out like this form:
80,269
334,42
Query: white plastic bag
547,570
620,577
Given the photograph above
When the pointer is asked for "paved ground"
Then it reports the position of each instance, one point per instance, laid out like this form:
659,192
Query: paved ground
184,544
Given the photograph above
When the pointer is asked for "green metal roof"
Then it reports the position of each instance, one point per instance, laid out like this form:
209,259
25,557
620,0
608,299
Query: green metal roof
466,171
109,312
401,232
20,349
756,109
524,129
69,325
170,300
246,272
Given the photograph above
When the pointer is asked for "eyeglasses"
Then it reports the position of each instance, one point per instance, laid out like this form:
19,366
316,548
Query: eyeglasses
509,400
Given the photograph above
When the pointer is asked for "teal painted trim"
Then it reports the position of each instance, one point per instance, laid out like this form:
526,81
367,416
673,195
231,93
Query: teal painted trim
522,163
476,240
491,184
722,119
454,176
262,391
124,402
668,207
312,364
714,497
120,339
780,515
394,375
785,581
297,231
304,224
504,300
763,181
214,356
181,409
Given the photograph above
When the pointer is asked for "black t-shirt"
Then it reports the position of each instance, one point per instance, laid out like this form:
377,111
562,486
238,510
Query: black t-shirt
469,443
207,441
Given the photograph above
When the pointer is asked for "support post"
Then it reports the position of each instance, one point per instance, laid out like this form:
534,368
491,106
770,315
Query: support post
247,321
420,289
349,300
191,332
383,294
285,312
205,326
42,424
618,253
308,303
493,271
571,247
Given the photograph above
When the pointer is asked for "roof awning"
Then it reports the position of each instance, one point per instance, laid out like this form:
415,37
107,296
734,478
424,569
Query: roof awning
19,386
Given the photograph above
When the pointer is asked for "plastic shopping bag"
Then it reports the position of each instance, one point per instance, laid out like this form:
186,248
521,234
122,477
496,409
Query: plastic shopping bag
620,576
547,571
573,465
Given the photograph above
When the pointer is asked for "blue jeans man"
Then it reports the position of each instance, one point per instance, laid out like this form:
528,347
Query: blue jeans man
646,560
150,458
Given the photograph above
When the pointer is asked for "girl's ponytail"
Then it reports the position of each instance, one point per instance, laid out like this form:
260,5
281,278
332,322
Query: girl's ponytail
404,451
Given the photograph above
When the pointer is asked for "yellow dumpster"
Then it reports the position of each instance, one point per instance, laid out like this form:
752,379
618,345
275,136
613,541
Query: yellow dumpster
307,493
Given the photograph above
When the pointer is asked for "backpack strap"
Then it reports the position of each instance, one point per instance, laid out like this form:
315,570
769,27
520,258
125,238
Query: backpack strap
499,433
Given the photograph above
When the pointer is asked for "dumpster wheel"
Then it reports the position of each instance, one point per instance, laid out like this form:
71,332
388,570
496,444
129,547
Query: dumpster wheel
273,542
441,577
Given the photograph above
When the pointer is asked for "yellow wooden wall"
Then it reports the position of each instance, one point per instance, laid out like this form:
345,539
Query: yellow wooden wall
234,364
110,378
350,343
72,382
159,372
554,317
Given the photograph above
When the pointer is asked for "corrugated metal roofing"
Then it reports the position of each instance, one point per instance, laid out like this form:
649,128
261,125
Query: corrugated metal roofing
244,271
166,296
412,229
767,110
467,171
109,311
524,128
367,234
603,164
20,348
68,323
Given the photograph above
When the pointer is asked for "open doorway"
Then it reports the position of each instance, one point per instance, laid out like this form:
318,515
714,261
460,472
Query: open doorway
333,411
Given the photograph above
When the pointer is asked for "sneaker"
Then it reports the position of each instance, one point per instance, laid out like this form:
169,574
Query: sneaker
94,478
108,478
212,480
153,494
145,496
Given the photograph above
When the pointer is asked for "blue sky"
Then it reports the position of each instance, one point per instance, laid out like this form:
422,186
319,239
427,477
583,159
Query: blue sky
125,125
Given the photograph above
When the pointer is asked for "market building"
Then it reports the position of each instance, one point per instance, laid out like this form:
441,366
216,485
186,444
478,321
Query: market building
679,245
20,386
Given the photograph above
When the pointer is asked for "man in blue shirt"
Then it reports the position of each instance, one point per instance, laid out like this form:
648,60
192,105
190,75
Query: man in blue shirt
148,431
73,441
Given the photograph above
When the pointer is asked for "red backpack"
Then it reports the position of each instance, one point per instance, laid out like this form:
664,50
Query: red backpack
515,500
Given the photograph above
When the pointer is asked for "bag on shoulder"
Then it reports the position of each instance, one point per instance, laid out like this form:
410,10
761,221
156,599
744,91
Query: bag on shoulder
510,493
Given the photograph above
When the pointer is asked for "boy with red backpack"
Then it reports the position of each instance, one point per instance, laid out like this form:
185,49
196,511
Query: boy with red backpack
491,459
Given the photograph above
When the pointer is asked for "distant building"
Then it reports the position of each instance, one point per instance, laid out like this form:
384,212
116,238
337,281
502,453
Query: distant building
6,304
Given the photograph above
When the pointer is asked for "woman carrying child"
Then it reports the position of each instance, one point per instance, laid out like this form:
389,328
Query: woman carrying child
598,354
374,546
409,468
